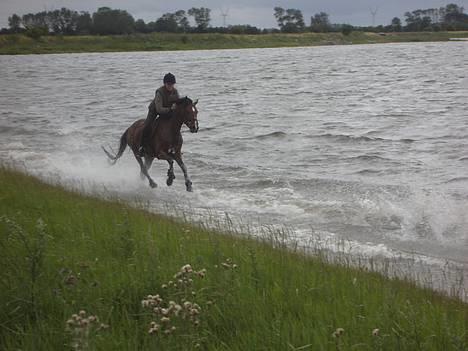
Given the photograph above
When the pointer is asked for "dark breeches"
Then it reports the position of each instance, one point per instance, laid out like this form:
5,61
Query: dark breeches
148,127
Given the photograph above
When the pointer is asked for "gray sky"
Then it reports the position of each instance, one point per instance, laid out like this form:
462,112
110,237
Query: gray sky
254,12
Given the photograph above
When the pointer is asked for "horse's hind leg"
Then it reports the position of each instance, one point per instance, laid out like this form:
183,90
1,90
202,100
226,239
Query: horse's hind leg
188,182
170,172
143,168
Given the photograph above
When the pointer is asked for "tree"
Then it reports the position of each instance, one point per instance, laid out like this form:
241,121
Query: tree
14,22
182,21
108,21
290,20
84,23
280,16
140,26
396,24
320,23
201,16
166,23
63,21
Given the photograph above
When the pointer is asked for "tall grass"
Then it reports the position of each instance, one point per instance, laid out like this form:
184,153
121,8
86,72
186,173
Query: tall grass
62,253
20,44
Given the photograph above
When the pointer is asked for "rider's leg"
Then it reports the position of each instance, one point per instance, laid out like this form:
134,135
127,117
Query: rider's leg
146,133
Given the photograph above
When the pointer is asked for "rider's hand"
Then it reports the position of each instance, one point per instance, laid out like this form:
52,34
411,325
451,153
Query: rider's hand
173,107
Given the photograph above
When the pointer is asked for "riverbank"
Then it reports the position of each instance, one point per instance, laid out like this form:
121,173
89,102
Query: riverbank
63,253
20,44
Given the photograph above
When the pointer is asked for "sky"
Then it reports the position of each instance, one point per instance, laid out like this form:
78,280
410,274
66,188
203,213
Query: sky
254,12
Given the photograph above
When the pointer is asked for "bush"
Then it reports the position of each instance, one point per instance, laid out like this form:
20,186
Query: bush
36,32
347,29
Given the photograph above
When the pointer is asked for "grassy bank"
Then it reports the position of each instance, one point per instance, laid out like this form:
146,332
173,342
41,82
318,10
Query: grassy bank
20,44
62,252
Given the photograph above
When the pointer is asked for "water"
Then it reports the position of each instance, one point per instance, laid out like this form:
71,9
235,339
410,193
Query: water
367,143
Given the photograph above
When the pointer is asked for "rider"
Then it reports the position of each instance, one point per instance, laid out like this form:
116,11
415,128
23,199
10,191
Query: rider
162,105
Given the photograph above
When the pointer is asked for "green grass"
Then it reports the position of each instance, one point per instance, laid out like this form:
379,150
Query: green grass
62,252
20,44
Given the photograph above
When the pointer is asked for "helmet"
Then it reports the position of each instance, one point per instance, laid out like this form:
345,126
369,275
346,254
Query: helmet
169,78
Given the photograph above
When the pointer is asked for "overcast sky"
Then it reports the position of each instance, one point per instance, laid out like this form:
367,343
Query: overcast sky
255,12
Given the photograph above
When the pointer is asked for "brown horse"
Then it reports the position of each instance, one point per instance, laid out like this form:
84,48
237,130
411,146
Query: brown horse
166,141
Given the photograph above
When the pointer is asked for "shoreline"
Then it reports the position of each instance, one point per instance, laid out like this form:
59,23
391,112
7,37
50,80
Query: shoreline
17,44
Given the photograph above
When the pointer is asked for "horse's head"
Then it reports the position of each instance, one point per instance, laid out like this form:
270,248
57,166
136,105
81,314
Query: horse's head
188,111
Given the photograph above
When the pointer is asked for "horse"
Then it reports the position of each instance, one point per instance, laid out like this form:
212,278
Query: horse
166,141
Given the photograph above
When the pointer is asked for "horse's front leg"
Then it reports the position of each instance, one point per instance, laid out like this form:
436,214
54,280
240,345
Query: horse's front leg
170,172
143,168
188,182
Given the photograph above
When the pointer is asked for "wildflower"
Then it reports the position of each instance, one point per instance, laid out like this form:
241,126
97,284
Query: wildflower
375,332
165,320
187,269
164,286
201,273
82,313
103,326
338,332
92,319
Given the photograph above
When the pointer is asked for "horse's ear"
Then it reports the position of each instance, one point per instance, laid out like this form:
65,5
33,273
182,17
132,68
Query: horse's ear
195,103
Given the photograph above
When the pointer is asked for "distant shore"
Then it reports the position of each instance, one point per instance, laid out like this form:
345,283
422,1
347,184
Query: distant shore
21,44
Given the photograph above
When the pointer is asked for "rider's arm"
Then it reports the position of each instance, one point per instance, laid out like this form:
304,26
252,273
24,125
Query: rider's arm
158,100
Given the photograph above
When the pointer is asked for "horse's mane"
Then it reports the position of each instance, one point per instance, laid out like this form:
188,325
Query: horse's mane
185,101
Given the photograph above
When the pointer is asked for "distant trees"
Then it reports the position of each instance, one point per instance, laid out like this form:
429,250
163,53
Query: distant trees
114,21
451,17
14,22
396,24
320,23
108,21
201,16
289,20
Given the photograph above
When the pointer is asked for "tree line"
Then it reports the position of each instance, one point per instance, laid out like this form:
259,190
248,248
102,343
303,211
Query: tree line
448,18
114,21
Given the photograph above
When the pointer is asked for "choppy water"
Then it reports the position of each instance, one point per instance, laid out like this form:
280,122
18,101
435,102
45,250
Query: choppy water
368,143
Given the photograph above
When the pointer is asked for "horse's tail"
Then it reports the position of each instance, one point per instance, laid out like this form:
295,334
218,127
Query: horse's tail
123,145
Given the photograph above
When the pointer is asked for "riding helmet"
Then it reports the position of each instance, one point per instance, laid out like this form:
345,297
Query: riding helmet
169,78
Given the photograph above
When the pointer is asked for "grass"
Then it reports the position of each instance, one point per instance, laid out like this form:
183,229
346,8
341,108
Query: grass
63,252
20,44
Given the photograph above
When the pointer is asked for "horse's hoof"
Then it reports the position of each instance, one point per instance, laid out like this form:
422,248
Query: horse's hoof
153,185
169,181
189,187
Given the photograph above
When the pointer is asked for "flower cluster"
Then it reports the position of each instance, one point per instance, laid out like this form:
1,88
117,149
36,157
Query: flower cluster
168,313
81,325
228,264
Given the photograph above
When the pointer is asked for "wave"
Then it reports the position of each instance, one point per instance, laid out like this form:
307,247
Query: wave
352,138
271,135
368,158
457,179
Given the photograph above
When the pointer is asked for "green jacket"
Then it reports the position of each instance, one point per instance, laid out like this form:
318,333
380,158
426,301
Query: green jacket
164,99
